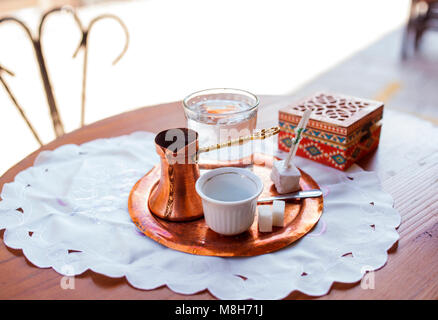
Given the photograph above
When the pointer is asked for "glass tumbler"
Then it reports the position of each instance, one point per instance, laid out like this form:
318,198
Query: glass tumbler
219,115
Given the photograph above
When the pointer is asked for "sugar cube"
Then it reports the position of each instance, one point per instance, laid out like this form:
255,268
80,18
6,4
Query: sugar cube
286,180
278,207
265,218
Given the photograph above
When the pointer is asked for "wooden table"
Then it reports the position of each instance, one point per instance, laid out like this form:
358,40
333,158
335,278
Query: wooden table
406,161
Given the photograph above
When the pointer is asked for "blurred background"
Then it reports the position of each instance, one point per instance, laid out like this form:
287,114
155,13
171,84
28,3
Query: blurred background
181,46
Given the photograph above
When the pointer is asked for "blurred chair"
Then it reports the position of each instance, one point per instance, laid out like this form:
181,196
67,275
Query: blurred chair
423,16
37,46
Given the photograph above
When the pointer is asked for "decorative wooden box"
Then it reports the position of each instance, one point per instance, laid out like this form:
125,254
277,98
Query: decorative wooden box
341,129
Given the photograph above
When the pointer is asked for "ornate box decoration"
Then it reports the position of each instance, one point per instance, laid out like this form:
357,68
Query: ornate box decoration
341,129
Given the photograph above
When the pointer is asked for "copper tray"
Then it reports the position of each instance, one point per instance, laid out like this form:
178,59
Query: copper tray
196,238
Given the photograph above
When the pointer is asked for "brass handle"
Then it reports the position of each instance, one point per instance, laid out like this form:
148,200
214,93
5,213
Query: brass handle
261,135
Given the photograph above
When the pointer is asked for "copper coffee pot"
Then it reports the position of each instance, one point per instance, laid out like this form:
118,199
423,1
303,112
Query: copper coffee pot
175,197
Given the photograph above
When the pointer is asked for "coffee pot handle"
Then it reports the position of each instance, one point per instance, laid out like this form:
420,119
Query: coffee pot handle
260,135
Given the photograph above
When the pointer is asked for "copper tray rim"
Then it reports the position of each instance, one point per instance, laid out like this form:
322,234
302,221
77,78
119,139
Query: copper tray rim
280,244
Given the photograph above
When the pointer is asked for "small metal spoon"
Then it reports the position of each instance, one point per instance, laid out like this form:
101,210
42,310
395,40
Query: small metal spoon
294,195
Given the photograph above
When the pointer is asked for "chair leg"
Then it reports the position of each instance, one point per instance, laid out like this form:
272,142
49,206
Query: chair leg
421,28
418,36
410,30
405,41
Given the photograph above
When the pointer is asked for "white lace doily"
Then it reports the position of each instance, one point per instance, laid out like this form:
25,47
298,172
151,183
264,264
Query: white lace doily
69,212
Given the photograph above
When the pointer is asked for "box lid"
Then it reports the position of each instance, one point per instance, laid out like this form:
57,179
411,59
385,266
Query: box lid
334,112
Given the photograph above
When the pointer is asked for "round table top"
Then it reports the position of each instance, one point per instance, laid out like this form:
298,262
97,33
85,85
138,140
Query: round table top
406,161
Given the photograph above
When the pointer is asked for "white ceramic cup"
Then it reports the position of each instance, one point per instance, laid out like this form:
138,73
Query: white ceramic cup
229,199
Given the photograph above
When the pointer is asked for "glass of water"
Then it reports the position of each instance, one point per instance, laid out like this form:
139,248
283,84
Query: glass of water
219,115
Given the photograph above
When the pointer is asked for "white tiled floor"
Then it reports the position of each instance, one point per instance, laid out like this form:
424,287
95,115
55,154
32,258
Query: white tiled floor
177,47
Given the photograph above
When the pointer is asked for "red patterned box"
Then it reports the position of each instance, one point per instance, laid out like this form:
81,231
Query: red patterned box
341,129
